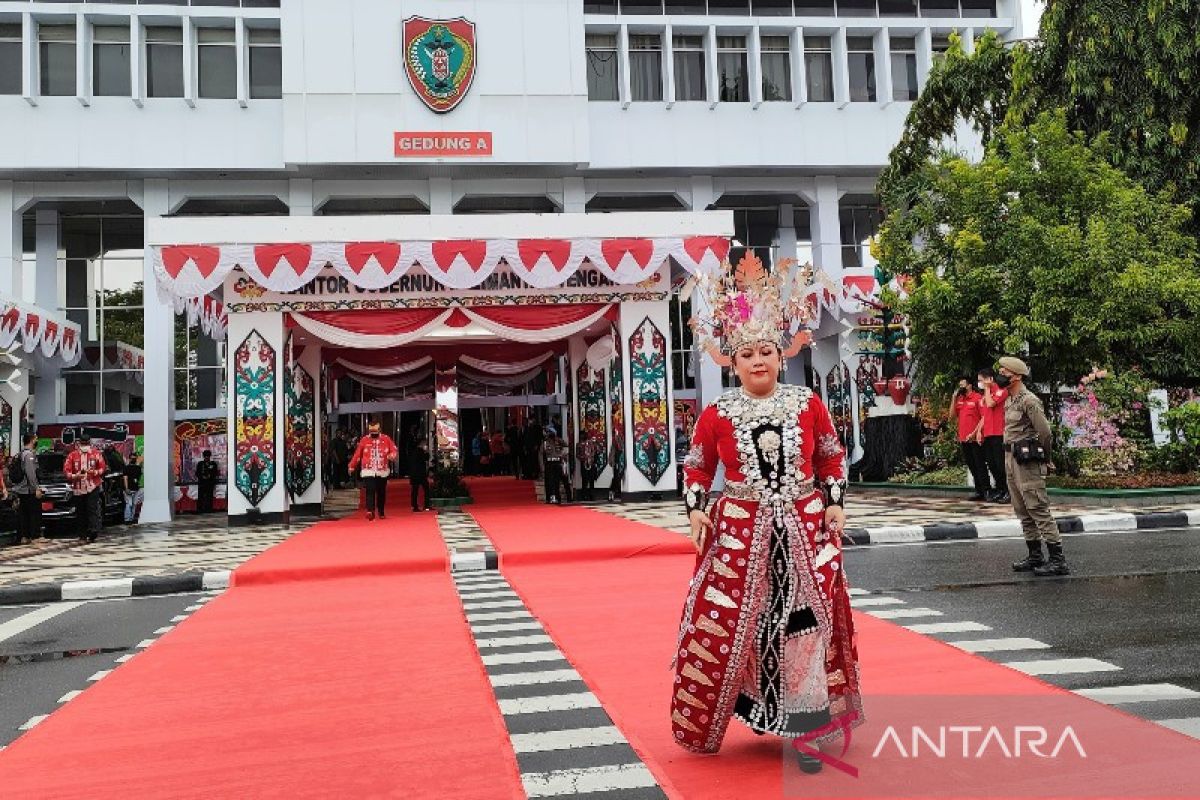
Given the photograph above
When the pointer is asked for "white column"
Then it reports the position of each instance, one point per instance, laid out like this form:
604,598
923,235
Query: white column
799,67
310,362
924,57
754,71
137,50
632,315
11,245
441,196
270,326
710,66
243,62
826,228
883,67
158,325
300,197
668,71
46,295
841,69
83,60
574,196
623,86
30,82
576,355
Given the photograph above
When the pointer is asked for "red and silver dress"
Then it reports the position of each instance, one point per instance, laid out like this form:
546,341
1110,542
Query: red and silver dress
767,634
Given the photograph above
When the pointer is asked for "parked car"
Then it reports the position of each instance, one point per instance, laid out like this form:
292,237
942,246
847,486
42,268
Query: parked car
58,504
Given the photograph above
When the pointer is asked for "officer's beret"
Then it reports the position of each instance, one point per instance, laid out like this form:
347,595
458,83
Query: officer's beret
1014,365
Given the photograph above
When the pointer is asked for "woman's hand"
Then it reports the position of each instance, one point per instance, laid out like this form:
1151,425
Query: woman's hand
701,526
835,520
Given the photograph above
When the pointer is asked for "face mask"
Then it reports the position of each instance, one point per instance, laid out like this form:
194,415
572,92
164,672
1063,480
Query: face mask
85,448
374,434
1003,381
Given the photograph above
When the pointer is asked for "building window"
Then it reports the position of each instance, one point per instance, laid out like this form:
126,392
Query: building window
10,59
164,61
904,69
216,59
645,68
266,64
897,8
857,8
56,57
860,58
103,293
732,71
600,7
939,8
729,7
199,368
602,66
689,68
816,8
818,68
858,223
685,7
939,44
110,61
977,9
683,357
776,68
772,8
641,7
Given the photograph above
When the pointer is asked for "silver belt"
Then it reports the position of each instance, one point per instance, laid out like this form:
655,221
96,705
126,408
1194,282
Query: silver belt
744,491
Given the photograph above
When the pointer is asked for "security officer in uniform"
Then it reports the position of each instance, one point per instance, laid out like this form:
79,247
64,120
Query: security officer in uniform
1025,421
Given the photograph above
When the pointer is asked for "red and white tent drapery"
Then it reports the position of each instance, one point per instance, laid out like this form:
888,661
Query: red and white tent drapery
381,329
193,270
39,333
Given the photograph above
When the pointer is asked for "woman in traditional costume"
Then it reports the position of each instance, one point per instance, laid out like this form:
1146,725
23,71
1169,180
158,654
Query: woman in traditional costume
766,636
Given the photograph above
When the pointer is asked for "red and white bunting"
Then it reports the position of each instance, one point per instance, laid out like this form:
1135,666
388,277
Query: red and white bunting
206,313
192,270
39,333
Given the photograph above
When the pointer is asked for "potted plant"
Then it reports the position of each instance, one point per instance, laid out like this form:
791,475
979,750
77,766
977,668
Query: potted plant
447,488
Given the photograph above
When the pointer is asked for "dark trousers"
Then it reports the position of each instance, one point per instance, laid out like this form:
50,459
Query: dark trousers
417,484
204,497
614,488
87,515
993,454
973,456
588,478
29,516
376,493
553,472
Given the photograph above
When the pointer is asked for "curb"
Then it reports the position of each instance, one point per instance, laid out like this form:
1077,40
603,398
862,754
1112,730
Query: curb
474,561
1011,527
114,587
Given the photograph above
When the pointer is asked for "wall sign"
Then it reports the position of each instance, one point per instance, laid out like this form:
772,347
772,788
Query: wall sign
439,57
422,144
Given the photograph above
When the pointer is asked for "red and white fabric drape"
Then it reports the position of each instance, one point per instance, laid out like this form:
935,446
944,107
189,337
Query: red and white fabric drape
192,270
39,333
207,313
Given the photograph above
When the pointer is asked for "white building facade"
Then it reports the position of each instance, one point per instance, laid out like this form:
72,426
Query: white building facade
115,115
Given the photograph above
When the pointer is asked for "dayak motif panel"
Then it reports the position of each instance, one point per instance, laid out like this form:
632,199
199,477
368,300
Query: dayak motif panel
254,435
301,468
648,385
841,409
591,411
616,402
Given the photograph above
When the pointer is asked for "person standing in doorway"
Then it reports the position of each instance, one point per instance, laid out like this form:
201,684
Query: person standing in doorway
29,493
965,407
418,474
618,472
374,453
207,475
991,432
587,464
85,468
131,481
552,464
338,458
1027,448
532,441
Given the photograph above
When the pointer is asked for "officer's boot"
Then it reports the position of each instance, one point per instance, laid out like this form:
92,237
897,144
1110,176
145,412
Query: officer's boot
1032,561
1057,565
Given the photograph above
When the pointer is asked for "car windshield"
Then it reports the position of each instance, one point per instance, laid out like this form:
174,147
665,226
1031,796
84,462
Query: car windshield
50,465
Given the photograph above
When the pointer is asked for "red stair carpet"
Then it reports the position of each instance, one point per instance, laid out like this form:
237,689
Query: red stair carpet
616,620
290,685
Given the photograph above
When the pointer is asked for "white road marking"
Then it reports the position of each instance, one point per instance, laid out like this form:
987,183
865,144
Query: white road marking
164,629
865,602
904,613
1138,693
1062,666
514,603
856,592
565,740
521,658
32,721
216,580
1189,726
69,696
947,627
102,673
995,645
179,618
592,779
512,641
490,616
530,678
31,619
506,626
145,643
1108,522
998,528
193,608
554,702
125,658
471,596
897,533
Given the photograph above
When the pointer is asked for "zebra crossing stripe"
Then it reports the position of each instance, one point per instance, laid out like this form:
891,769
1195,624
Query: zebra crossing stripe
592,779
947,627
995,645
1138,693
530,678
904,613
1062,666
868,602
554,702
1189,726
543,741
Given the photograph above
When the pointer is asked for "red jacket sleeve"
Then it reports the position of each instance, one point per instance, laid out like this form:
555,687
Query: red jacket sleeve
829,457
700,465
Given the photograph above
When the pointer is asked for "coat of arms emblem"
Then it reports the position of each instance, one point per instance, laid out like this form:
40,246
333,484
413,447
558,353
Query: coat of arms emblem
439,57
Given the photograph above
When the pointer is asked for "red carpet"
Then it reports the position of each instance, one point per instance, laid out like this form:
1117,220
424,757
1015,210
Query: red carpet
365,687
616,620
525,532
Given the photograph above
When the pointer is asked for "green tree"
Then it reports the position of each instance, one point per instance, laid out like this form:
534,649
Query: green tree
1045,249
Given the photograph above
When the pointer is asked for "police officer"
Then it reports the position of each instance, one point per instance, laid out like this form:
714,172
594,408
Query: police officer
1025,421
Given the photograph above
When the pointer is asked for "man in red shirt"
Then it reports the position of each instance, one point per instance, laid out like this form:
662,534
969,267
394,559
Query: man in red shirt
991,434
85,468
965,407
375,452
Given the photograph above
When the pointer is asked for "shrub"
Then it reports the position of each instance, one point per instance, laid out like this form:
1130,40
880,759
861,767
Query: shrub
447,480
946,476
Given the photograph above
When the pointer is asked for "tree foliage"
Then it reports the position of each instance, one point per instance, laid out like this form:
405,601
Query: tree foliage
1044,248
